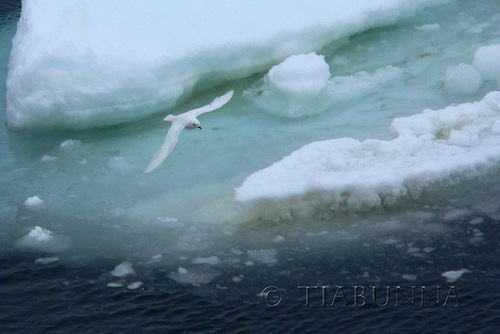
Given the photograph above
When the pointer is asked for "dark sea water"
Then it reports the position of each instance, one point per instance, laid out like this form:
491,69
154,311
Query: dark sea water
385,281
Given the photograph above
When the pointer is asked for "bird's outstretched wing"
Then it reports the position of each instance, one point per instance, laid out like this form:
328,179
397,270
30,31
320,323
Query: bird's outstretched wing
216,104
166,147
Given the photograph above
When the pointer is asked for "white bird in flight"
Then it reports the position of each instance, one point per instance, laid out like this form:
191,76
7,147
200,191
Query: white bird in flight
179,122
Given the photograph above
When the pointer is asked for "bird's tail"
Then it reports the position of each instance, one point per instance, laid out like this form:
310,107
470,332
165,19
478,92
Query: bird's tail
169,118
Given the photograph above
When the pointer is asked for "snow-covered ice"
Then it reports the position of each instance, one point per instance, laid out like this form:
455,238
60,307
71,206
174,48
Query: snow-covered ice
462,79
301,86
40,239
33,201
349,174
453,275
73,66
487,61
123,269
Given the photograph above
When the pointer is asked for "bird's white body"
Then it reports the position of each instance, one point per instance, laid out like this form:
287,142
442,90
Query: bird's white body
187,120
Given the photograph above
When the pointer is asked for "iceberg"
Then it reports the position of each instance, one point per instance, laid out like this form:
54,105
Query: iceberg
83,64
347,174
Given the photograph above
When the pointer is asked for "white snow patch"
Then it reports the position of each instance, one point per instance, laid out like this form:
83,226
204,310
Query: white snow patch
114,285
123,269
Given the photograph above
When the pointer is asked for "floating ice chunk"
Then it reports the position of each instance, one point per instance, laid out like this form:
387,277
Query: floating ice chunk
157,257
428,27
292,87
33,201
182,270
265,256
47,158
47,260
487,61
410,277
134,285
462,79
453,275
119,164
237,279
202,275
456,214
300,77
69,144
288,98
167,220
346,88
89,65
212,260
350,175
279,238
114,285
123,269
476,221
40,239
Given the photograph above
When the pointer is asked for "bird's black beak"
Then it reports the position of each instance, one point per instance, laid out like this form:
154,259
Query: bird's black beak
199,127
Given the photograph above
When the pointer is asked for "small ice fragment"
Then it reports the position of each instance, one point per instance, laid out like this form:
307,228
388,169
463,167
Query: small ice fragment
476,221
249,263
487,61
47,260
123,269
453,275
182,271
47,158
134,285
265,256
33,201
237,279
462,79
118,164
82,162
428,27
67,144
429,249
167,220
157,257
455,214
212,260
39,234
235,251
279,239
40,239
410,277
114,285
